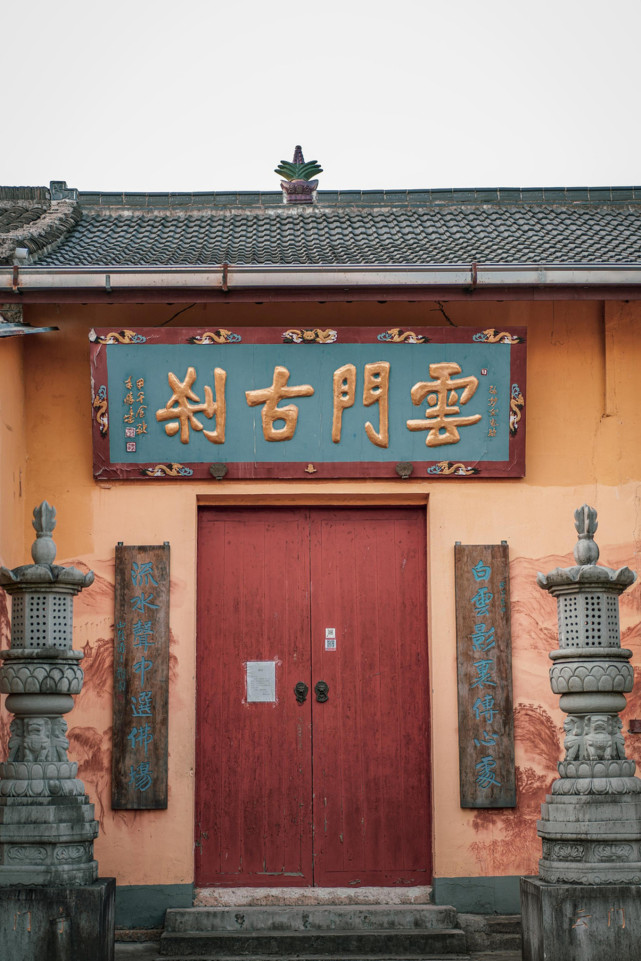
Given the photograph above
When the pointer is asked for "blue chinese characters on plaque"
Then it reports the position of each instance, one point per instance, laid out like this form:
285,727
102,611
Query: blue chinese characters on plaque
141,677
486,729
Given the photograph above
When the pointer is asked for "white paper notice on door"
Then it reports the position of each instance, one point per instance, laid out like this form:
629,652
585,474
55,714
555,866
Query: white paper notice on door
261,681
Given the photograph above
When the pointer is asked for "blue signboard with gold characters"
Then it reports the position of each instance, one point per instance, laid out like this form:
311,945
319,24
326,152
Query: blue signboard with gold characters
266,402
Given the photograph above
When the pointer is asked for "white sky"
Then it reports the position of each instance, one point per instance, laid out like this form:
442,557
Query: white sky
197,95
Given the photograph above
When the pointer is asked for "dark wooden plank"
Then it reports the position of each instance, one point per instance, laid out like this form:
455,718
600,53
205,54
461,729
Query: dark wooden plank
371,743
484,662
253,757
141,678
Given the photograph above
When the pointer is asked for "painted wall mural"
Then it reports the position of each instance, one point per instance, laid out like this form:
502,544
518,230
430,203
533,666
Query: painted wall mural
90,723
506,842
494,842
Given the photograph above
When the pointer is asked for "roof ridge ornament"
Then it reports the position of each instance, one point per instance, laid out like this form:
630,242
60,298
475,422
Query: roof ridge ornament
59,191
297,186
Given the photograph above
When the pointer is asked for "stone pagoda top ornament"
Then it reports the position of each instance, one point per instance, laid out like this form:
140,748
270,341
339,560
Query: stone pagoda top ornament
43,552
586,555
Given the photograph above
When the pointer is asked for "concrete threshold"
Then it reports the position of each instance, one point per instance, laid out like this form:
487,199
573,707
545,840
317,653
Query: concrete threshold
237,897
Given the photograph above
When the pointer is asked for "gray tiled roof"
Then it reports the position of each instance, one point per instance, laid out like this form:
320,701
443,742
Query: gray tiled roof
561,226
29,219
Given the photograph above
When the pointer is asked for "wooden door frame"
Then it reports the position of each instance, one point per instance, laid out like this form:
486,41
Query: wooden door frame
337,496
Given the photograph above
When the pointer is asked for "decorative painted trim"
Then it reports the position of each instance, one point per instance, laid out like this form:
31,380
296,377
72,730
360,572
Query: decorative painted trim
118,337
101,408
452,467
221,336
396,335
167,470
309,335
517,403
493,336
298,469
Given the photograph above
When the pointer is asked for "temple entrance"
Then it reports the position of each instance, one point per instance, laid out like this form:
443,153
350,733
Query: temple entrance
312,697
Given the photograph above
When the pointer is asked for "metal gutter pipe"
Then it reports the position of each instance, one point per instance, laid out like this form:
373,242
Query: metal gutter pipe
228,277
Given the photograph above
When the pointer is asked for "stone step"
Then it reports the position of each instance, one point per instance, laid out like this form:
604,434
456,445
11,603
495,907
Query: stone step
346,917
502,956
492,932
337,943
281,897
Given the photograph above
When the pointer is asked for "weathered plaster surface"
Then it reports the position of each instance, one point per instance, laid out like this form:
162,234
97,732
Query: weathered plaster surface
577,451
13,452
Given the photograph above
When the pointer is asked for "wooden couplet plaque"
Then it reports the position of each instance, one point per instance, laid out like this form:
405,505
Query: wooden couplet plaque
484,665
141,678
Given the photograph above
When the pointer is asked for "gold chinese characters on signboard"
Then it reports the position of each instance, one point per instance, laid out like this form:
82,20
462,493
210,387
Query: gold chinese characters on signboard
445,394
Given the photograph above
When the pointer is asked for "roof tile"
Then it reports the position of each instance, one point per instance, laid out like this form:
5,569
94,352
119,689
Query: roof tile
440,227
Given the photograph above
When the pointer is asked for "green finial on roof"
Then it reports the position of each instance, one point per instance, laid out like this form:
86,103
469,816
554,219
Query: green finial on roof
298,169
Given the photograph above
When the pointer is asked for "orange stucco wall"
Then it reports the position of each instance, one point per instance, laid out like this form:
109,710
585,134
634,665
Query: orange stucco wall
582,445
12,464
12,449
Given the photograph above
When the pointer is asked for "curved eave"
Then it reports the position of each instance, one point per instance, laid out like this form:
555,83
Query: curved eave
20,330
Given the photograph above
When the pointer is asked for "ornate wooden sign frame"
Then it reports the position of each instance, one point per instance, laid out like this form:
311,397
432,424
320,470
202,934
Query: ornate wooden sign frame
431,402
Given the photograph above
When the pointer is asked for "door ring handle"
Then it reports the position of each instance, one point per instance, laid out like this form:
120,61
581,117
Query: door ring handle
300,690
321,690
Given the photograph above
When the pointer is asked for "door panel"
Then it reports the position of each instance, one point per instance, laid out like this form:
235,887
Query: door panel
370,759
253,799
327,793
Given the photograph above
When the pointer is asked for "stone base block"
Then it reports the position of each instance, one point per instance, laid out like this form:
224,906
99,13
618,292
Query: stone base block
580,922
58,923
47,841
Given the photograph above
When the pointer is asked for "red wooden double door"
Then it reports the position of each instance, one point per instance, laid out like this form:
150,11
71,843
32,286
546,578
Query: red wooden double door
301,782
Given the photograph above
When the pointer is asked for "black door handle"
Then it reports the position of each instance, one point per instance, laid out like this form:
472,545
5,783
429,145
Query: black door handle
322,691
300,690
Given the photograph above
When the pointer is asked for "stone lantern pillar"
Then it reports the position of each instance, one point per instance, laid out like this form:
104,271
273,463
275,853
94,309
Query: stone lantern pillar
47,827
586,902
